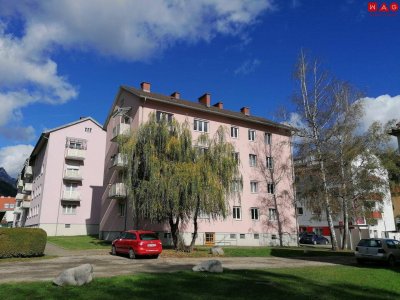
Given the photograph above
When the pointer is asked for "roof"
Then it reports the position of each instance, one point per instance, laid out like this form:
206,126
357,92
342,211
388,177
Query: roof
45,134
198,107
4,200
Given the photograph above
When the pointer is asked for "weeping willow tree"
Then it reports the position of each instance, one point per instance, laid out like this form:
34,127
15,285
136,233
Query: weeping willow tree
168,179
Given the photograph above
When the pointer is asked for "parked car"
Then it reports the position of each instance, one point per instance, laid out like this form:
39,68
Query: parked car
137,242
386,250
301,234
312,238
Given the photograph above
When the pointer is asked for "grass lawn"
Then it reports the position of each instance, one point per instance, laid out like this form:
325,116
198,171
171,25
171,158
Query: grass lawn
338,282
84,242
80,242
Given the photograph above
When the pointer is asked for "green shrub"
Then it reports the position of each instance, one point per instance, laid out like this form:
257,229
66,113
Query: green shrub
22,242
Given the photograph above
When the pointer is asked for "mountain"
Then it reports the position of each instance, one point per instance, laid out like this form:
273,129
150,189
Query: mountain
8,185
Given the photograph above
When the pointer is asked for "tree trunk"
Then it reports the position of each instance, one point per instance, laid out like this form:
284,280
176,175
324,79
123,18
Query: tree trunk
278,219
174,230
346,224
195,225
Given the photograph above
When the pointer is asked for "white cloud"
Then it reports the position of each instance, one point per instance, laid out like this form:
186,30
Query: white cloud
12,158
128,30
247,67
382,108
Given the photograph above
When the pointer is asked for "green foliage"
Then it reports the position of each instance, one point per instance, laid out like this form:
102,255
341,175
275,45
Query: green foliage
328,282
169,178
22,242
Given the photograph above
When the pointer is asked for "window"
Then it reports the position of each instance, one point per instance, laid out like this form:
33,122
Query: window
121,209
200,125
253,160
252,135
160,115
232,236
267,138
270,162
69,209
256,236
270,188
88,129
67,225
73,143
272,214
237,213
299,211
254,213
12,205
242,236
6,205
254,186
236,156
274,237
236,186
234,132
167,235
201,150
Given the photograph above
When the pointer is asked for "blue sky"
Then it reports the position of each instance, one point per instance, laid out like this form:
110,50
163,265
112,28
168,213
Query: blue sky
60,60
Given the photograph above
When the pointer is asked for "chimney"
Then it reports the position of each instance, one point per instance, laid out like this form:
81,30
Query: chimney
245,110
176,95
145,86
220,105
205,99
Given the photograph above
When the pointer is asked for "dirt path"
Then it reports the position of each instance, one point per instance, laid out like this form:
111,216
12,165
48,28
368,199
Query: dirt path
106,265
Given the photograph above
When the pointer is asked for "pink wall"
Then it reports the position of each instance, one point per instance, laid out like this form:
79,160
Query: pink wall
139,113
54,163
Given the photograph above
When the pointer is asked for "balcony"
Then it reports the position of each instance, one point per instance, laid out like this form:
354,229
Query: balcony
27,187
72,174
26,204
18,210
75,154
119,161
20,183
119,130
28,172
71,196
19,197
117,190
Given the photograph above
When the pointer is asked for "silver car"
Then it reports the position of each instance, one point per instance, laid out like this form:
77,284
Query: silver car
386,250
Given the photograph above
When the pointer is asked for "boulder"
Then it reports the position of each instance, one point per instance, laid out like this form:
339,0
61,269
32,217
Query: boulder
75,276
216,251
212,266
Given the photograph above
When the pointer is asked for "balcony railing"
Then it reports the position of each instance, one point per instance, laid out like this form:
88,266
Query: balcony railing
75,154
120,161
27,187
18,210
26,204
72,174
20,183
120,129
117,190
19,197
28,172
71,196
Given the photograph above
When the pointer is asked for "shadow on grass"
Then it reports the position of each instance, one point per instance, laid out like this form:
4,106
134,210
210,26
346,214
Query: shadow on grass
254,284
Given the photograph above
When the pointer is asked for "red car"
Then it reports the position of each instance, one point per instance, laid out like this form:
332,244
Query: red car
137,242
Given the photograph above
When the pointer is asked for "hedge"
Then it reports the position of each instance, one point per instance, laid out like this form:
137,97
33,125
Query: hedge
22,242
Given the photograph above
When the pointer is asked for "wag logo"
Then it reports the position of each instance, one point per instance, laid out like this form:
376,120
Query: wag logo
383,8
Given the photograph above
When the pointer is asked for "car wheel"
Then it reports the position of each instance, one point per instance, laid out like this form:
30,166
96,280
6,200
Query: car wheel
132,254
113,250
391,261
155,256
314,242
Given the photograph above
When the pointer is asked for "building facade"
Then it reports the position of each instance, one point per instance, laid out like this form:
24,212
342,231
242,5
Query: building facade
253,219
60,186
7,206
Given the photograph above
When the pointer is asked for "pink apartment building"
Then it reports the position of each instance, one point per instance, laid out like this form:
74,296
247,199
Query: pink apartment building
60,186
253,219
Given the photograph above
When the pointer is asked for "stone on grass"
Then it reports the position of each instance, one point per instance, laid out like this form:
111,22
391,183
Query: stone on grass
75,276
212,266
216,251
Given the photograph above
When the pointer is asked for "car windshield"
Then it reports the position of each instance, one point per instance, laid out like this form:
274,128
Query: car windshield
148,237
